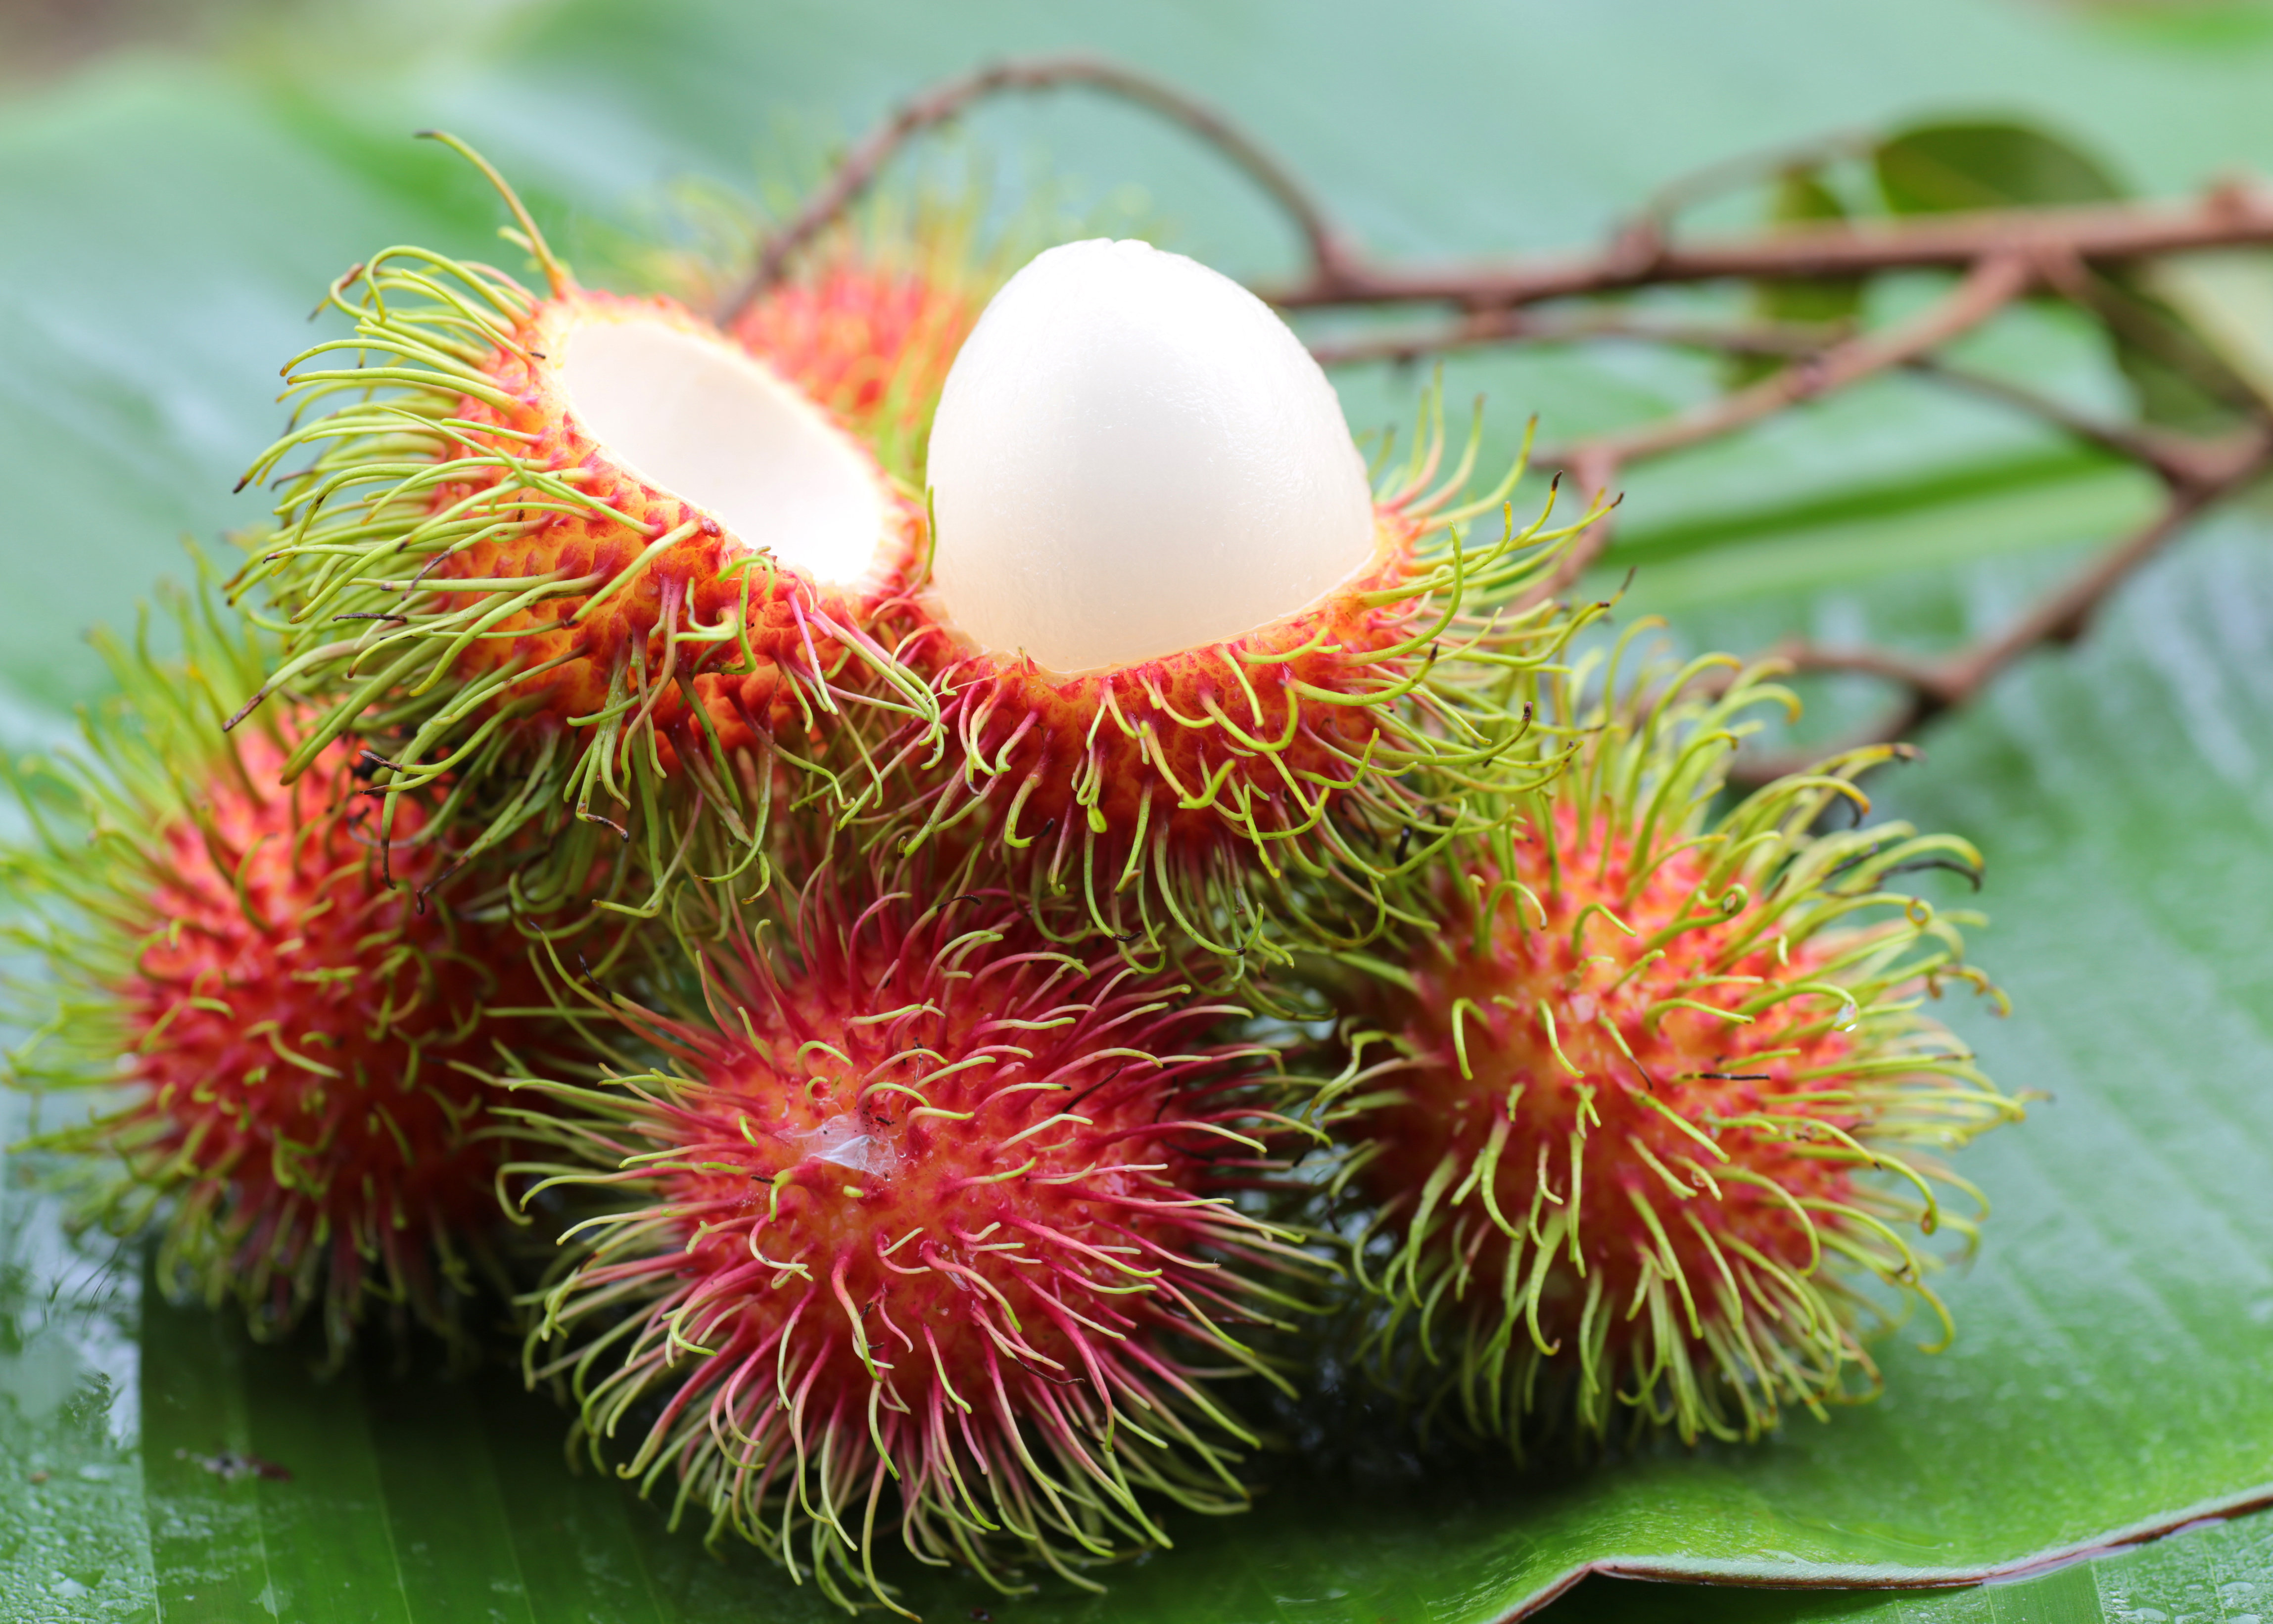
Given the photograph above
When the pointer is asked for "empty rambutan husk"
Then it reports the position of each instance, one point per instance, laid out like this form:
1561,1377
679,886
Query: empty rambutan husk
897,1212
580,547
269,1011
1641,1112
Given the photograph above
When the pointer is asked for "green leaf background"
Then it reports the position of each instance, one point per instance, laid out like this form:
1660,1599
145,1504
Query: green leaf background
167,219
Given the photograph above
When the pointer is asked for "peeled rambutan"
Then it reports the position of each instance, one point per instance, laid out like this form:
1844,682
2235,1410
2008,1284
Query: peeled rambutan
276,1034
1182,646
1647,1102
916,1200
586,535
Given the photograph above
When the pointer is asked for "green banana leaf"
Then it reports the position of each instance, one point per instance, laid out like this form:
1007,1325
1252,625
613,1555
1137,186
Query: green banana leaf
165,225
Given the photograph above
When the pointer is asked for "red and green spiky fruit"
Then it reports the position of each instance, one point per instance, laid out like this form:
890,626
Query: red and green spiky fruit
921,1209
584,535
278,1035
871,335
1649,1102
1186,654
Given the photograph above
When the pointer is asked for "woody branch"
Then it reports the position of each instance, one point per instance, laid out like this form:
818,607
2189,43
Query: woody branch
2001,255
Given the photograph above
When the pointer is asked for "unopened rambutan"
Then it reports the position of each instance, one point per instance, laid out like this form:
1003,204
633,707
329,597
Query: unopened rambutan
276,1035
1647,1102
1182,648
584,535
918,1205
870,330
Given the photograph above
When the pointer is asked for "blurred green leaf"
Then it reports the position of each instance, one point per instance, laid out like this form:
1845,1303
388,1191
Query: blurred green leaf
2180,381
2227,296
1985,164
1801,196
168,236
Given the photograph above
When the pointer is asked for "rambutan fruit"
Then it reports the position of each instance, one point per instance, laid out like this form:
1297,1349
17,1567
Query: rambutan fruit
585,537
912,1199
870,329
277,1036
1182,646
1646,1105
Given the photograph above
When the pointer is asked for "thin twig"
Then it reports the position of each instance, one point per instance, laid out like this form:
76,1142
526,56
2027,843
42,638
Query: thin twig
1642,242
2138,324
2004,253
2064,615
1593,464
1331,258
1935,685
1992,284
1790,340
2230,216
2178,458
1721,176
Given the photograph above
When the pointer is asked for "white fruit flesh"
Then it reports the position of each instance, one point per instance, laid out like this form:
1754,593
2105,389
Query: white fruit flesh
1134,456
713,427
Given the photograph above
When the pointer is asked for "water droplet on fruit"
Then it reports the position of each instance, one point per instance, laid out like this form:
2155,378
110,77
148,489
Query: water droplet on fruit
843,1141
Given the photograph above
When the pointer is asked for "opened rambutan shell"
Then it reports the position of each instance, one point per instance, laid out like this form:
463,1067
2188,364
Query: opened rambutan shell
1159,792
919,1200
578,534
285,1026
1647,1102
1183,650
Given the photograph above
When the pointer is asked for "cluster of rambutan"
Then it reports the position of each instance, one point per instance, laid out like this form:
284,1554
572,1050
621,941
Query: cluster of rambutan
869,903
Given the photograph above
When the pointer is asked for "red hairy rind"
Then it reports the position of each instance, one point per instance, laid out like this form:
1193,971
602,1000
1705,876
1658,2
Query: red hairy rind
296,1027
923,1201
1656,1098
289,1031
479,581
871,340
1174,795
1148,741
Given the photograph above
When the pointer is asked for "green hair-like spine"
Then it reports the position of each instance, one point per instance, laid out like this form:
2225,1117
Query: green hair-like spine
314,1164
1609,915
401,481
